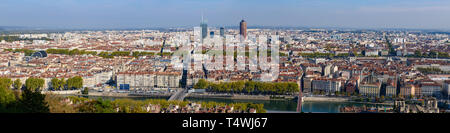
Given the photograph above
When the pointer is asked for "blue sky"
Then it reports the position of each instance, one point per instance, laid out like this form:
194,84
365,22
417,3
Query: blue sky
423,14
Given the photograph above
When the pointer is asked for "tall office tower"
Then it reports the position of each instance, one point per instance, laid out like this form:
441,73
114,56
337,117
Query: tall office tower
204,28
243,29
222,32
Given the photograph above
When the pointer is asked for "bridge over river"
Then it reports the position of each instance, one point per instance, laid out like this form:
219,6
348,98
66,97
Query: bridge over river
179,95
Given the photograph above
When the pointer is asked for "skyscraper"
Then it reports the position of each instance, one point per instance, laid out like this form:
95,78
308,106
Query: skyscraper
222,32
204,28
243,29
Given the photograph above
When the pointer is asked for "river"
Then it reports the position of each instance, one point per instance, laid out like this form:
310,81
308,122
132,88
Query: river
273,106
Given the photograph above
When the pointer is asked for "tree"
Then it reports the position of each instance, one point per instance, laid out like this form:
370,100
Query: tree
33,102
63,84
85,91
56,84
97,106
293,87
239,86
417,53
74,52
5,83
201,84
6,95
75,83
249,86
17,84
34,84
56,104
137,53
214,87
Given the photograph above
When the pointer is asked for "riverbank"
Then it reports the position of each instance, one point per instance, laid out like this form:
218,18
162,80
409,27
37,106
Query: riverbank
326,99
65,92
190,95
120,95
230,97
339,99
272,106
239,96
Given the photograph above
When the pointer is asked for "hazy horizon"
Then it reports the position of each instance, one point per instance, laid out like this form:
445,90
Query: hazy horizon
115,14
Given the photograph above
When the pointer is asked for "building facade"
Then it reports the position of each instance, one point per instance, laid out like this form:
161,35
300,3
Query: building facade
243,29
391,91
222,32
407,90
446,88
326,85
433,90
149,80
371,90
204,27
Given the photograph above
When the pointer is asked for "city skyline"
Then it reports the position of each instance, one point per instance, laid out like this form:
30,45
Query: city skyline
68,14
213,65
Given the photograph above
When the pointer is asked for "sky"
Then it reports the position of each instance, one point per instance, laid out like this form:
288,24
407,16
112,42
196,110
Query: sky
415,14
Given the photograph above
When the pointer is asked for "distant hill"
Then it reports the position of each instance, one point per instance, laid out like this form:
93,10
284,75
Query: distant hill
9,28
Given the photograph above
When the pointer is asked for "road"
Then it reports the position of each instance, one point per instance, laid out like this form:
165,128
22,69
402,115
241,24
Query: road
179,95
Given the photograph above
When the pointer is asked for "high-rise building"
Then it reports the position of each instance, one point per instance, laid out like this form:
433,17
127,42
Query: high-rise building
243,29
222,32
204,28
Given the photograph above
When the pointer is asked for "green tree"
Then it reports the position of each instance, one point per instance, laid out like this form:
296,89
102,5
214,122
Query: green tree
63,83
293,87
34,84
56,84
201,84
17,84
33,102
417,53
97,106
56,105
238,86
5,83
75,83
250,86
74,52
85,91
6,95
